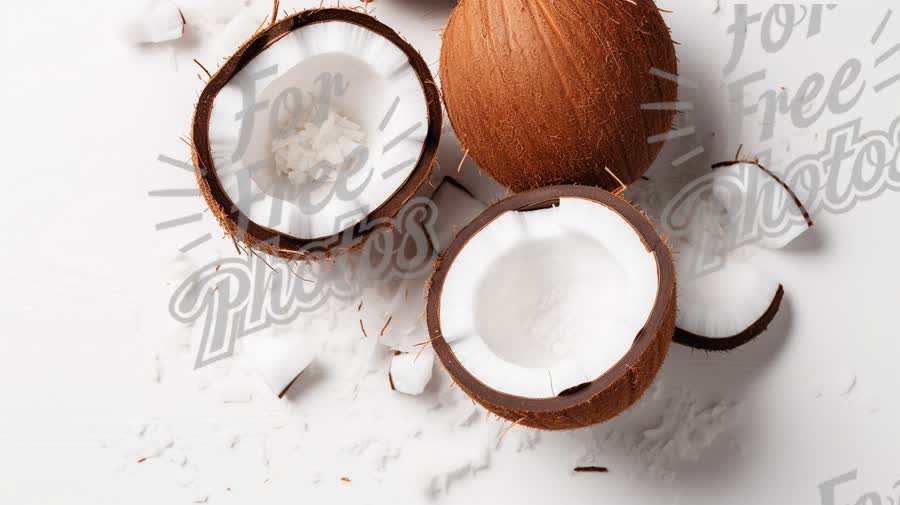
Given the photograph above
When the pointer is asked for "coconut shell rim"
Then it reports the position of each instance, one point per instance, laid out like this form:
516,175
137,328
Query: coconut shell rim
663,308
221,204
806,215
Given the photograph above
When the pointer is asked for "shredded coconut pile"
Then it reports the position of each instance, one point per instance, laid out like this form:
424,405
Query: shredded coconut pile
676,434
316,150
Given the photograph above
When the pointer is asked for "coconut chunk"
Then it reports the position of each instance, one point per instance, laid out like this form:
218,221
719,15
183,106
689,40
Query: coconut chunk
761,208
411,372
280,361
155,22
456,208
727,307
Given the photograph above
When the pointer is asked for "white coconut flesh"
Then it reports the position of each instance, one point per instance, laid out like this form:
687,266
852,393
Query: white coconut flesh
760,209
279,361
542,301
726,301
371,133
411,372
156,21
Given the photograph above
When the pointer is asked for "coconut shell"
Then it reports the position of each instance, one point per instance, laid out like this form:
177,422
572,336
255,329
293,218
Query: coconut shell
732,342
778,180
609,394
237,225
545,92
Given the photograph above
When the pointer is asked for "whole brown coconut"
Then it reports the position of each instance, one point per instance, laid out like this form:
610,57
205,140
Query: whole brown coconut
544,92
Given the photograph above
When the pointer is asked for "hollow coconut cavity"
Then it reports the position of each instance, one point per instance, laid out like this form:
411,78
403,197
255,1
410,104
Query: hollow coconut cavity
724,300
315,132
554,308
544,93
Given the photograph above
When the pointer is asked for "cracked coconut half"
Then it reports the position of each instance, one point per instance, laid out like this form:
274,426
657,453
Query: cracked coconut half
315,132
554,308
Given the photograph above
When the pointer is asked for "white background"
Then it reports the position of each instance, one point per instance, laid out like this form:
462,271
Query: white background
86,279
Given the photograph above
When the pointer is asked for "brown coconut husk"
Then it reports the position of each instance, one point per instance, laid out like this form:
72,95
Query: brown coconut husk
544,93
267,240
592,402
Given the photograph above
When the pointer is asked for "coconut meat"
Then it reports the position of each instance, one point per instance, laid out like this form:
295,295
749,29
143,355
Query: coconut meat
279,361
156,21
411,372
759,208
542,301
330,91
455,208
725,302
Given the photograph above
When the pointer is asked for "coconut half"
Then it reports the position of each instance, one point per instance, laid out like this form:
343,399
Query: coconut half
554,308
315,132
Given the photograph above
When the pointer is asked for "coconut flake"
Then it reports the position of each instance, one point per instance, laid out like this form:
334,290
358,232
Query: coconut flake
456,208
155,22
316,150
411,372
280,361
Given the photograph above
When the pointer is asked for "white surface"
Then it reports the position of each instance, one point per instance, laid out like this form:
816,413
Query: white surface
86,281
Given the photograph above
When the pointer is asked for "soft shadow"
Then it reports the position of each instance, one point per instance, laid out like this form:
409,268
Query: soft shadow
313,375
810,243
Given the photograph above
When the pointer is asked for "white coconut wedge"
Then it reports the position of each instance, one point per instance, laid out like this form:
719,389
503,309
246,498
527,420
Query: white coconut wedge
456,207
315,132
725,308
555,307
411,372
762,209
155,22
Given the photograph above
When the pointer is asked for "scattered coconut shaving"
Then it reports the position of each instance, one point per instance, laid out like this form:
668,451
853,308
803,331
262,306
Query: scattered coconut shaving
280,361
155,22
317,150
411,373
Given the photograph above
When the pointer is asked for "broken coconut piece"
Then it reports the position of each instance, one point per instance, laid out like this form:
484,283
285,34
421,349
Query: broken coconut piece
727,307
348,138
456,207
762,209
156,21
280,361
555,308
724,302
411,372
